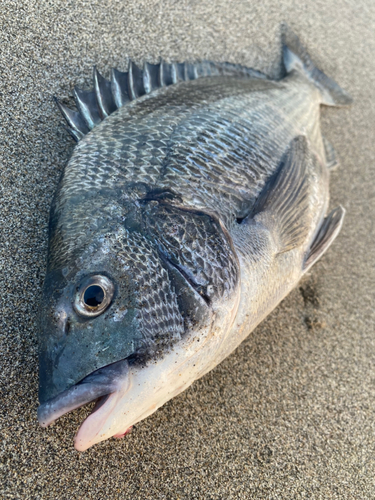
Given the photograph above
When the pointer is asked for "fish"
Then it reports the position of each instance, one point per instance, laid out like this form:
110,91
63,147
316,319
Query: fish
194,201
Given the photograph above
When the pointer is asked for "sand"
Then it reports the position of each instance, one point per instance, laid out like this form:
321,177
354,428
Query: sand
290,414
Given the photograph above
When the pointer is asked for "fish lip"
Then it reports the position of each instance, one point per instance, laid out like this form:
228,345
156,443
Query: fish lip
97,386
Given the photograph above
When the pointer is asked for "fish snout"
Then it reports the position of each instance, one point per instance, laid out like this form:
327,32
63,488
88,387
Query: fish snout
98,386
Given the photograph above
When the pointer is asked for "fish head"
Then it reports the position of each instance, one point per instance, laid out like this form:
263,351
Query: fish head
136,314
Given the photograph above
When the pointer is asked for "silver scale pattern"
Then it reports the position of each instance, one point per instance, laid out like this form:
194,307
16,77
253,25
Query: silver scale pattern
212,141
160,320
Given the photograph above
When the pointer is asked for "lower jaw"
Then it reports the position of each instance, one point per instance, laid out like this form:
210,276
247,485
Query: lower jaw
150,388
98,386
144,390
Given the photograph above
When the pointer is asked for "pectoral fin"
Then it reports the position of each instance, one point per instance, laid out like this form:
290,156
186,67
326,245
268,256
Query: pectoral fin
328,231
283,204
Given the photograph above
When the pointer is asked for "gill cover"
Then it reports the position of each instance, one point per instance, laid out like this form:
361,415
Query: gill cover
132,292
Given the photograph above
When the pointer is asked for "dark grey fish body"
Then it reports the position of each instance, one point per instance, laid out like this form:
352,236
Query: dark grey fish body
181,220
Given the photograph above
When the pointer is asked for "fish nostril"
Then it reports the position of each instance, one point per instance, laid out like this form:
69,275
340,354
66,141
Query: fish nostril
62,322
66,326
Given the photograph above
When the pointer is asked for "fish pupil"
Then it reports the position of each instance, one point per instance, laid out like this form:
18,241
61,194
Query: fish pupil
94,296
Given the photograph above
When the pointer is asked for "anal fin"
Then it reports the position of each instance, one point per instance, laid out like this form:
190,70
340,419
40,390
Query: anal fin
327,233
283,204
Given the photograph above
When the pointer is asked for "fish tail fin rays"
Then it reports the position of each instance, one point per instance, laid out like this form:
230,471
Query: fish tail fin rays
296,57
108,95
283,204
327,233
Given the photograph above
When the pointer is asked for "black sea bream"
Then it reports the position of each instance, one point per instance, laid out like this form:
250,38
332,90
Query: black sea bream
194,201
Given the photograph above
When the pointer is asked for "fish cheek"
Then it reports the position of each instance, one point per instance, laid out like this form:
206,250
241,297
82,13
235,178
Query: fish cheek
72,346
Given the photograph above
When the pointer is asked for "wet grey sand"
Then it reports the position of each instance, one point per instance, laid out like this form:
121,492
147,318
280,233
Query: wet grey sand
291,413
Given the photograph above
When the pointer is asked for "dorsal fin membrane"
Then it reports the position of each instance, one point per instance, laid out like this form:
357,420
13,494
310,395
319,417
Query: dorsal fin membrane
203,69
166,77
104,96
87,106
77,125
95,105
214,69
120,87
151,77
136,87
178,72
191,71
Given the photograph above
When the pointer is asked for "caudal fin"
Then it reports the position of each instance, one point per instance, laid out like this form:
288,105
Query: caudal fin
295,57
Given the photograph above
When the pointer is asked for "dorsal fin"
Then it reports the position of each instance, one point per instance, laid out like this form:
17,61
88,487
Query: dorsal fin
87,106
120,87
108,95
77,125
135,85
104,96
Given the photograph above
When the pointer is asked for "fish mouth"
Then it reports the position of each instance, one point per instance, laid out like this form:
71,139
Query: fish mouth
101,386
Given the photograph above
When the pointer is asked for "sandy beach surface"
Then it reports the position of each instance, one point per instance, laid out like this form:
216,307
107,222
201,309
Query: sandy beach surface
290,414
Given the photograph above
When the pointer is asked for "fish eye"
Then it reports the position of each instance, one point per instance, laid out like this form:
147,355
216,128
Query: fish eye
93,296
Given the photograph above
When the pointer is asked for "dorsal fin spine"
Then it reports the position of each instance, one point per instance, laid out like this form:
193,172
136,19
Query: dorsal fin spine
119,86
87,106
151,77
104,97
174,73
136,87
109,95
77,126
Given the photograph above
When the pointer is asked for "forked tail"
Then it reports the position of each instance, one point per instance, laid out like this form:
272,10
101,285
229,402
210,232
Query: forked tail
295,57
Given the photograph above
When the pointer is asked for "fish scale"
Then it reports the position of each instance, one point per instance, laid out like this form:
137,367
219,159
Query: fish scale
175,165
160,319
194,201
